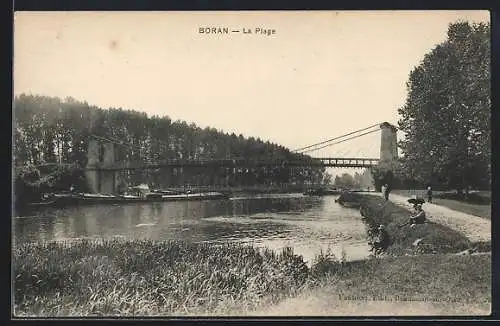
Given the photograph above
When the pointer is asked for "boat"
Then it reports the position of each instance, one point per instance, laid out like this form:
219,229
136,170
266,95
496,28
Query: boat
350,204
322,192
58,200
43,203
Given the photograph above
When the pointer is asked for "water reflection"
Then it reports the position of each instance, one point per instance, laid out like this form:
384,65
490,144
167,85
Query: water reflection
308,224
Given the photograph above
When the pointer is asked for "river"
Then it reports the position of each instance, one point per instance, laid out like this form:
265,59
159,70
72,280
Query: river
308,224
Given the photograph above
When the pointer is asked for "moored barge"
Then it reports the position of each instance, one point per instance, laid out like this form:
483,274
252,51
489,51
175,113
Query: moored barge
57,200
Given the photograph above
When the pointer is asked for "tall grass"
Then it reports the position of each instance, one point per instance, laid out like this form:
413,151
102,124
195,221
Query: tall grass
144,277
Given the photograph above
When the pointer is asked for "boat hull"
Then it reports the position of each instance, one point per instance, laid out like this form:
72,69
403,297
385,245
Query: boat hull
322,193
95,200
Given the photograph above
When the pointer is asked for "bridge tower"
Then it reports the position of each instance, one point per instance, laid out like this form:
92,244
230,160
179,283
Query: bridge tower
92,176
388,145
99,154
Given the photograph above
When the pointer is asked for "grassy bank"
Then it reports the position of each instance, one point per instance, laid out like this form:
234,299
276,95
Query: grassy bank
440,278
145,278
436,238
424,285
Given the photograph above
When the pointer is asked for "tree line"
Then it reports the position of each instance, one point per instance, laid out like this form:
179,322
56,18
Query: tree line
52,130
446,117
358,180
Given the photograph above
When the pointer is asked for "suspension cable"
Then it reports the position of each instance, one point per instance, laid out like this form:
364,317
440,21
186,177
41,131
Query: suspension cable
329,140
338,142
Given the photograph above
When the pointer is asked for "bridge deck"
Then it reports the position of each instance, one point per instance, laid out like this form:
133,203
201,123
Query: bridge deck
326,162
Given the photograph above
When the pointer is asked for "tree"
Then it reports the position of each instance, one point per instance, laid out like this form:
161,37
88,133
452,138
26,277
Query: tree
327,178
447,112
345,180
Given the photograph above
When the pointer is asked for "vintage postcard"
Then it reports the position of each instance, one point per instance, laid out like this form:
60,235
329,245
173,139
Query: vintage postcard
280,163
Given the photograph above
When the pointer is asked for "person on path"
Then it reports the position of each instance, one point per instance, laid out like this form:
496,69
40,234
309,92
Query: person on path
386,191
383,190
429,194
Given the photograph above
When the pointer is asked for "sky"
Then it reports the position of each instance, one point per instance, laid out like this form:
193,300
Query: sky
320,75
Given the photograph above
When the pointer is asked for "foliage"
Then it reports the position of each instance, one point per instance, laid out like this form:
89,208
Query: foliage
51,130
446,118
143,277
363,180
327,178
383,176
326,263
344,181
31,182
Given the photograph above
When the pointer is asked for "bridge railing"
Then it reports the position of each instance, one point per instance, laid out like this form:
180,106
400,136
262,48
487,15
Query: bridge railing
234,163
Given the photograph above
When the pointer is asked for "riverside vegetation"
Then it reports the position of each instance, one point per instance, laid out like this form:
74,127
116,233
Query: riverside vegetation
142,277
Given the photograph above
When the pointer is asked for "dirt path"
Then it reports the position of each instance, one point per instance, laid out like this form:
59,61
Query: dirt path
473,227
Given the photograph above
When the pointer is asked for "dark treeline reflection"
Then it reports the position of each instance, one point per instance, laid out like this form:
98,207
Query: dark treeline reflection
135,219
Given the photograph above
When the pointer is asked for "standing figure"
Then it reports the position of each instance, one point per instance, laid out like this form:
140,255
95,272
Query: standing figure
429,194
386,191
383,190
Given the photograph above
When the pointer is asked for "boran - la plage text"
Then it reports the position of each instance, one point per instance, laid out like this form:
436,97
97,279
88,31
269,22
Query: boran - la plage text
247,31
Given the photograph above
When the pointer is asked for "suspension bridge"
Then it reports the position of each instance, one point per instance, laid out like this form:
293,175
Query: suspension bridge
102,170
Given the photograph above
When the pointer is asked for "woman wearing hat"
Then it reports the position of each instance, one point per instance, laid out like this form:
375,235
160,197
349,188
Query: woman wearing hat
418,217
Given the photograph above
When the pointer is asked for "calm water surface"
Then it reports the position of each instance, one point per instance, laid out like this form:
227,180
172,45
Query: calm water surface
308,224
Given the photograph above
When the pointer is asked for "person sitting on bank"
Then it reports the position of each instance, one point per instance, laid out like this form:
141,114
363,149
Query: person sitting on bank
417,218
381,241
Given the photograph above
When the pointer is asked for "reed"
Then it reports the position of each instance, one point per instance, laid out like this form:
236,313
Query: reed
143,277
148,278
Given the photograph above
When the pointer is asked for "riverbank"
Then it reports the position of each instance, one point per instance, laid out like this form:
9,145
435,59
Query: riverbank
446,230
429,277
150,278
475,228
146,278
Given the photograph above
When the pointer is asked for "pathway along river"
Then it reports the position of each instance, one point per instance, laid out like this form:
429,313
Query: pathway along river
308,224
